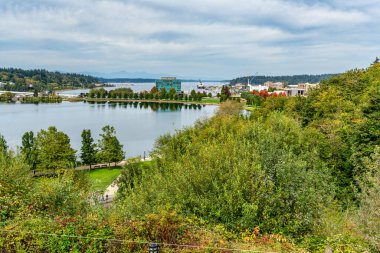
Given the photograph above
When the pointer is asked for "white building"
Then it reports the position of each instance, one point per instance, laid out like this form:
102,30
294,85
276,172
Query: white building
257,87
308,86
294,91
277,85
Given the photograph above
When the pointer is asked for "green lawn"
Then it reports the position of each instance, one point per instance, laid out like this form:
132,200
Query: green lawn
102,178
211,100
250,108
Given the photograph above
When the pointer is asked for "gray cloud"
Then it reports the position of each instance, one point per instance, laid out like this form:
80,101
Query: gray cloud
214,38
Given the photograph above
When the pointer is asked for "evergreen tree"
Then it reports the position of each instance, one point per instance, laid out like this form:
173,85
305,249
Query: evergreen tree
193,94
28,149
3,145
163,93
88,151
172,93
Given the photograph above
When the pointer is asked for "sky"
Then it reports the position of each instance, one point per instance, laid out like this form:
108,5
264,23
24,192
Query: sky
209,39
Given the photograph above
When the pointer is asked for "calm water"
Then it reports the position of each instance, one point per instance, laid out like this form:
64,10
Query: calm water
137,125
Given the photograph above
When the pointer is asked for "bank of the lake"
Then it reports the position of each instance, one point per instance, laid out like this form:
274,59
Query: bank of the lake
207,101
137,124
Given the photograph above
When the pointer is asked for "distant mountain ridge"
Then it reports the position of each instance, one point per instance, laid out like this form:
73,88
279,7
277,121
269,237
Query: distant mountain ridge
141,77
124,75
148,80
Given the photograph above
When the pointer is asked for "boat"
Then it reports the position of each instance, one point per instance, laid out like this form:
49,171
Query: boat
201,85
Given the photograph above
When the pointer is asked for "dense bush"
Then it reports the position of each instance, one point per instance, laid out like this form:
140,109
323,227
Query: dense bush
369,216
15,183
265,173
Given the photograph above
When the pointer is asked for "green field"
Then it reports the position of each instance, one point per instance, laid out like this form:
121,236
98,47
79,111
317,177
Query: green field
102,178
211,100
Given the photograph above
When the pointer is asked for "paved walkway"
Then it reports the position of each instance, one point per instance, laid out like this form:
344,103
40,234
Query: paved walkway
110,193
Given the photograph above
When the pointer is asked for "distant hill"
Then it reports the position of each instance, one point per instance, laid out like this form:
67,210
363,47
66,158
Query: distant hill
125,75
147,80
127,80
42,80
285,79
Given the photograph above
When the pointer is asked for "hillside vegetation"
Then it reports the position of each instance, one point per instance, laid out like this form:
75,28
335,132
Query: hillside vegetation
297,175
42,80
295,79
286,169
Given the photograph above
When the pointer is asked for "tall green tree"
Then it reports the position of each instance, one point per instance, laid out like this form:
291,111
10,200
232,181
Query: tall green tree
88,150
154,90
3,145
54,150
163,93
110,149
172,93
28,149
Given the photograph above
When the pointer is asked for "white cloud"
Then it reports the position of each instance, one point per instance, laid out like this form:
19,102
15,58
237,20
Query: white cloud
197,37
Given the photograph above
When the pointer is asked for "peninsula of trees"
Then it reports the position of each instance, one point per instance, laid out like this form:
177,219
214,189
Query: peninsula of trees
13,79
295,79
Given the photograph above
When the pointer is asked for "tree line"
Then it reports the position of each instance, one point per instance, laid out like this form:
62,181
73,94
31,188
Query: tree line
295,79
15,79
51,149
153,94
51,98
153,105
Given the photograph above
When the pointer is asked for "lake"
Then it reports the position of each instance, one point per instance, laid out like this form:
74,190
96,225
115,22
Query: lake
137,125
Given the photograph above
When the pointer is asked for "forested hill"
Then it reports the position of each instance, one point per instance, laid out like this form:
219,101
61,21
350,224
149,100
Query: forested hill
127,80
286,79
42,80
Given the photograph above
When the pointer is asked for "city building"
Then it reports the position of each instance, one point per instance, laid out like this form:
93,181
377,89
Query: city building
294,91
257,87
301,89
168,83
277,85
308,86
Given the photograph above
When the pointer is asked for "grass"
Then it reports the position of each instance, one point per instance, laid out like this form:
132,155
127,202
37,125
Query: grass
250,108
211,100
102,178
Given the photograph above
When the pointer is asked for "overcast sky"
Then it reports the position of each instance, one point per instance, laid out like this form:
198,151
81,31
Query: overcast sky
193,38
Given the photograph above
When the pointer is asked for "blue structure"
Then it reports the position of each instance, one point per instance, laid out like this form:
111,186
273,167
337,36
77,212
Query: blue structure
168,83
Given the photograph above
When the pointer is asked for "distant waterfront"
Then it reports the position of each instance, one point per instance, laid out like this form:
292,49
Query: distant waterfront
137,87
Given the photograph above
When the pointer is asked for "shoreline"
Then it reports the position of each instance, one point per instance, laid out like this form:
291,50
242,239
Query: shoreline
139,100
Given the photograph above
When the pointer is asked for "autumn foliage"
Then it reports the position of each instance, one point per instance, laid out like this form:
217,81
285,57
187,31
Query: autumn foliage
264,94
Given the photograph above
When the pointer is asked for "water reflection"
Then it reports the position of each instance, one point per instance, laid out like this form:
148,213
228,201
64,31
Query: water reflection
154,106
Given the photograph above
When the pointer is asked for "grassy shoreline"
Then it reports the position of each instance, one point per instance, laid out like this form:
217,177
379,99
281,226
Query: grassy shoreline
206,102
